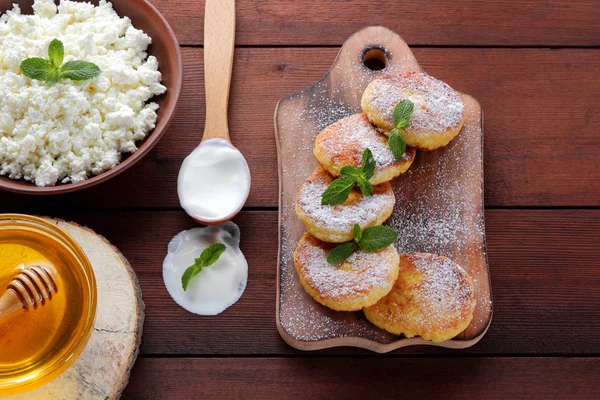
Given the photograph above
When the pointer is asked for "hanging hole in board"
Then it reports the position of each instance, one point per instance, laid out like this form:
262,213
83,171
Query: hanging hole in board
375,58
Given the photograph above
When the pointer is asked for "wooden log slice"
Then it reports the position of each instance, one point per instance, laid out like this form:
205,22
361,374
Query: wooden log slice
102,370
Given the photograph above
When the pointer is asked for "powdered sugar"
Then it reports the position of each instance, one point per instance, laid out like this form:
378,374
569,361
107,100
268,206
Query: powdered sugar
302,124
441,214
351,136
444,294
358,276
437,106
341,218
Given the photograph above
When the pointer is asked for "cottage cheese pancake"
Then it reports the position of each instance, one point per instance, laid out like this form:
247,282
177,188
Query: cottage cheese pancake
344,142
438,110
359,281
433,298
65,132
335,223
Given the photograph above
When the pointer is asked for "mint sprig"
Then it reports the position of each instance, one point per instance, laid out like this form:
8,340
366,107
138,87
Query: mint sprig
341,252
338,190
401,116
357,233
371,239
377,237
402,113
56,52
209,256
40,69
53,69
397,144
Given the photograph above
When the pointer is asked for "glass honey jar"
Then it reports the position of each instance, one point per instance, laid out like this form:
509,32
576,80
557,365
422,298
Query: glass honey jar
38,344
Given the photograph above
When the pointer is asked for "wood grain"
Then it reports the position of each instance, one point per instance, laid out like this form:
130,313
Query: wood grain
366,378
444,22
545,269
541,125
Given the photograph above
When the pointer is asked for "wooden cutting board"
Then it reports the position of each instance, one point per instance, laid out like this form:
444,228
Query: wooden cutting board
102,370
439,206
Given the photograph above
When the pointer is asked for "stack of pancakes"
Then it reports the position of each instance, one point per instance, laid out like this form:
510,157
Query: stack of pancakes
413,295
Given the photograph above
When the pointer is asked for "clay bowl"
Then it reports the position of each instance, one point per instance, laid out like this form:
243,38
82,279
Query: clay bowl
165,48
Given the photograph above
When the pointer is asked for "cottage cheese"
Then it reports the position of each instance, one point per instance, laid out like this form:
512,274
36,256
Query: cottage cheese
71,130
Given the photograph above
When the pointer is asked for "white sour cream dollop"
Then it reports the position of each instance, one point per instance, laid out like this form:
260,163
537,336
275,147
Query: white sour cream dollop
214,181
218,286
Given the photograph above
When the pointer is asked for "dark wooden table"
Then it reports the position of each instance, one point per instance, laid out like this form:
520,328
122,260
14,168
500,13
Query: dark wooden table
533,65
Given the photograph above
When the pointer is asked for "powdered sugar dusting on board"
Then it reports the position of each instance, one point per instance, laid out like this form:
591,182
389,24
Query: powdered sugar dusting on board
442,214
302,124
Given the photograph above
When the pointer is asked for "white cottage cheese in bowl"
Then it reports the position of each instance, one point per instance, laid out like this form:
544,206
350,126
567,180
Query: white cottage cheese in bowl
70,130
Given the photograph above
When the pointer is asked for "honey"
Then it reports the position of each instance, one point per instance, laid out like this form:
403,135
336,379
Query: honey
36,345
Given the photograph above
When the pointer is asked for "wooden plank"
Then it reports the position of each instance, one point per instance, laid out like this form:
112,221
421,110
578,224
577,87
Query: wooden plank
545,268
365,378
445,22
540,125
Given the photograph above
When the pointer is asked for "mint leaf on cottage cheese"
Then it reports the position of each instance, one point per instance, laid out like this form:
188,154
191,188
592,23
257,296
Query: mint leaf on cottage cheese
53,70
79,70
56,52
72,130
40,69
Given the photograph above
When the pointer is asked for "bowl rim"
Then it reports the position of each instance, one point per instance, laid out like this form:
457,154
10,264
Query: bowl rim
25,187
72,353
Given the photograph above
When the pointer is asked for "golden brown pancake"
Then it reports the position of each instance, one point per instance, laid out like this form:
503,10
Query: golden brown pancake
344,142
359,281
335,223
438,109
433,298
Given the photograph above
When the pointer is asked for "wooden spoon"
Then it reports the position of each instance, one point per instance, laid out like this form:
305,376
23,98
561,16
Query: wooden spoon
33,287
219,43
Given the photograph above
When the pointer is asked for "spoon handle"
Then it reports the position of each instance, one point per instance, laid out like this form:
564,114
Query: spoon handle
9,303
219,40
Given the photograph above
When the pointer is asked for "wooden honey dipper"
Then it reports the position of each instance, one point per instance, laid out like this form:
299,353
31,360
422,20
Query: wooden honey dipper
31,288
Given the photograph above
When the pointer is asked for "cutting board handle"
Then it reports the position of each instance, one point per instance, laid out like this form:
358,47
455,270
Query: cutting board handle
379,44
373,42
